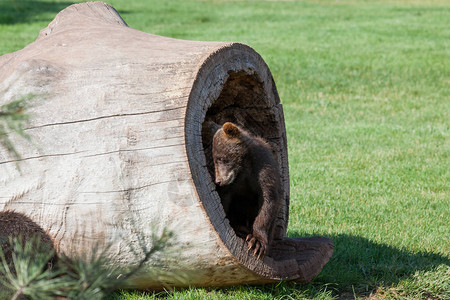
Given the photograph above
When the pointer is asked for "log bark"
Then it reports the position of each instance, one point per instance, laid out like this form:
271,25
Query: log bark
117,145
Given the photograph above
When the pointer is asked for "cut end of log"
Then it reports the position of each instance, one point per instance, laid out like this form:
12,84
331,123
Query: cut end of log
235,85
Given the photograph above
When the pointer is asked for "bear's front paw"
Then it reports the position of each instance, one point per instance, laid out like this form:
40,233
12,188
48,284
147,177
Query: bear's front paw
258,244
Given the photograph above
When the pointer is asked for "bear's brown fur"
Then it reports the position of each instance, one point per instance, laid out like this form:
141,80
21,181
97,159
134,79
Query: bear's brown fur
248,180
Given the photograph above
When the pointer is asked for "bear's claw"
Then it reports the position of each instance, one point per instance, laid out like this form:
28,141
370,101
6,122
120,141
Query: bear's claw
260,248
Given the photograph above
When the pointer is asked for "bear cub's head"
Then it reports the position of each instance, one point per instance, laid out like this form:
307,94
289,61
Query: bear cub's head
228,152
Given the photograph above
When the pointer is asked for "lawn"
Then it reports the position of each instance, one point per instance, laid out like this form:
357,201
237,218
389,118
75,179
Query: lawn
365,87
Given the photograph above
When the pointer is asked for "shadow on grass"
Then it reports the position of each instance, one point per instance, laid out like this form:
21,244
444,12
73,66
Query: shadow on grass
358,266
27,11
362,266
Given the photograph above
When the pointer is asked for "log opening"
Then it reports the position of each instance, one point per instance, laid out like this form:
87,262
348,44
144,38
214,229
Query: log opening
243,102
241,91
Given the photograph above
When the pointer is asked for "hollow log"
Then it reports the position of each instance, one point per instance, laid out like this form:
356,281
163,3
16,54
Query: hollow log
116,145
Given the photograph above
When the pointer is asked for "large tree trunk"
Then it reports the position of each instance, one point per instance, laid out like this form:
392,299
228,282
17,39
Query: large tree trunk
116,145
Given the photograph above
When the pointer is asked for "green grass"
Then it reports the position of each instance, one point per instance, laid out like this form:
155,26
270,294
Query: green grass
365,87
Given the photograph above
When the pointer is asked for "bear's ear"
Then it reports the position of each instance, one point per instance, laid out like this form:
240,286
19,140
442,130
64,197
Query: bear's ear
231,130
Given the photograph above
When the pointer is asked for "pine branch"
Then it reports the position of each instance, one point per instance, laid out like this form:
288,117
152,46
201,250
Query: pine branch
89,276
12,118
29,275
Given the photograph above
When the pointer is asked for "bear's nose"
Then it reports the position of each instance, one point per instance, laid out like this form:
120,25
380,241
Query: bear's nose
218,181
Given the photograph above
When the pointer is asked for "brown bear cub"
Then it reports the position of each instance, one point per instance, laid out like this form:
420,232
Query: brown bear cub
248,180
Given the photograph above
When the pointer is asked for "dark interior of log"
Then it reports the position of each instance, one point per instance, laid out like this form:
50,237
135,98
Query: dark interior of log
242,101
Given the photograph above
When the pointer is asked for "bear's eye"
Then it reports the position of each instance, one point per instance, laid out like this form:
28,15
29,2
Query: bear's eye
222,160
